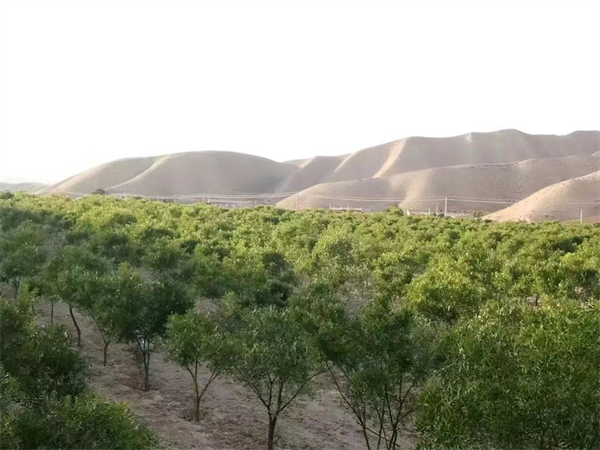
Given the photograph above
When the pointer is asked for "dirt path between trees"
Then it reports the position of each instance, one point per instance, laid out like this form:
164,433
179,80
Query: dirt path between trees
232,417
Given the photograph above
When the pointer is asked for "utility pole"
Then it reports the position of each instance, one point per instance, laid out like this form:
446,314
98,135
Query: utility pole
581,216
446,207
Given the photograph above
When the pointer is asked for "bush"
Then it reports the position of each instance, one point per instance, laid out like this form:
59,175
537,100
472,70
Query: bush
83,422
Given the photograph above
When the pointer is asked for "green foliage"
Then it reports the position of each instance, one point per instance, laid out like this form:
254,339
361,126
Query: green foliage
194,340
73,276
380,297
44,401
41,360
518,377
273,357
447,290
259,276
9,409
140,310
377,361
76,423
22,253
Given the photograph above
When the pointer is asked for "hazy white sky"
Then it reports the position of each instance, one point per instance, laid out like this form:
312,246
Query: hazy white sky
84,82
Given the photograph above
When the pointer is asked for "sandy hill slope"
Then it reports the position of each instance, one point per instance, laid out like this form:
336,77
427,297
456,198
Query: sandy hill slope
561,201
474,187
22,187
180,174
505,165
416,153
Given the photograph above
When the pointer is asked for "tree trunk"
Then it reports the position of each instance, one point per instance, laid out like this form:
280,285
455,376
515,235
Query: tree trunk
366,436
197,392
76,326
197,411
105,360
52,312
146,357
272,423
200,393
16,286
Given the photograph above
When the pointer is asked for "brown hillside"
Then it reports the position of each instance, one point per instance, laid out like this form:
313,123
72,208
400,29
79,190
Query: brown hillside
561,201
423,189
417,172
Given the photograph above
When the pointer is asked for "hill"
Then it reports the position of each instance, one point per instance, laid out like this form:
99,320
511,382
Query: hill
22,187
180,174
561,201
466,186
476,171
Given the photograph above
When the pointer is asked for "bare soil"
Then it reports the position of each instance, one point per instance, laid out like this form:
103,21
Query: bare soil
232,417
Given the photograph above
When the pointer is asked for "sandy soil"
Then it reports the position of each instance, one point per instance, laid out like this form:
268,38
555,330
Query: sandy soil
232,417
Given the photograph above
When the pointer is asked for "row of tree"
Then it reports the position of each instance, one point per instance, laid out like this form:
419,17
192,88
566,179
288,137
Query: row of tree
482,335
45,402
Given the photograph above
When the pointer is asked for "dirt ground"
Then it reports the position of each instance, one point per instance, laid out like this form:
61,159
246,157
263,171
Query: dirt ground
232,417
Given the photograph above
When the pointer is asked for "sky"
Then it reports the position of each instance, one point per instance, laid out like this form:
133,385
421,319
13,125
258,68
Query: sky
85,82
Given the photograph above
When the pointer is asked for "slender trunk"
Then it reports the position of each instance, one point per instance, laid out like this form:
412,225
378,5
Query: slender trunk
146,357
366,436
200,393
197,412
105,359
16,286
272,423
197,391
76,326
52,312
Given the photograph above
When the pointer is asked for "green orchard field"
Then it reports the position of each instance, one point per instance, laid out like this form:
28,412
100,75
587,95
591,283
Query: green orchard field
433,332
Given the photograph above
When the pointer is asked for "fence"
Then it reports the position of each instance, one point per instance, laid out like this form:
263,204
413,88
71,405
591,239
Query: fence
450,206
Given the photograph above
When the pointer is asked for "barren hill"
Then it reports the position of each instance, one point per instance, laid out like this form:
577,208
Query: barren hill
417,153
21,187
180,174
476,171
475,187
561,201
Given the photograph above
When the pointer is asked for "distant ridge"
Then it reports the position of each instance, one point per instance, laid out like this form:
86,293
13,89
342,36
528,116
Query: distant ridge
22,187
505,164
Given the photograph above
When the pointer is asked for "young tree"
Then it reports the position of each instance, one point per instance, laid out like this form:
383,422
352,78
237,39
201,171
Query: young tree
274,357
40,359
44,401
22,254
71,276
99,296
376,361
194,340
142,310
